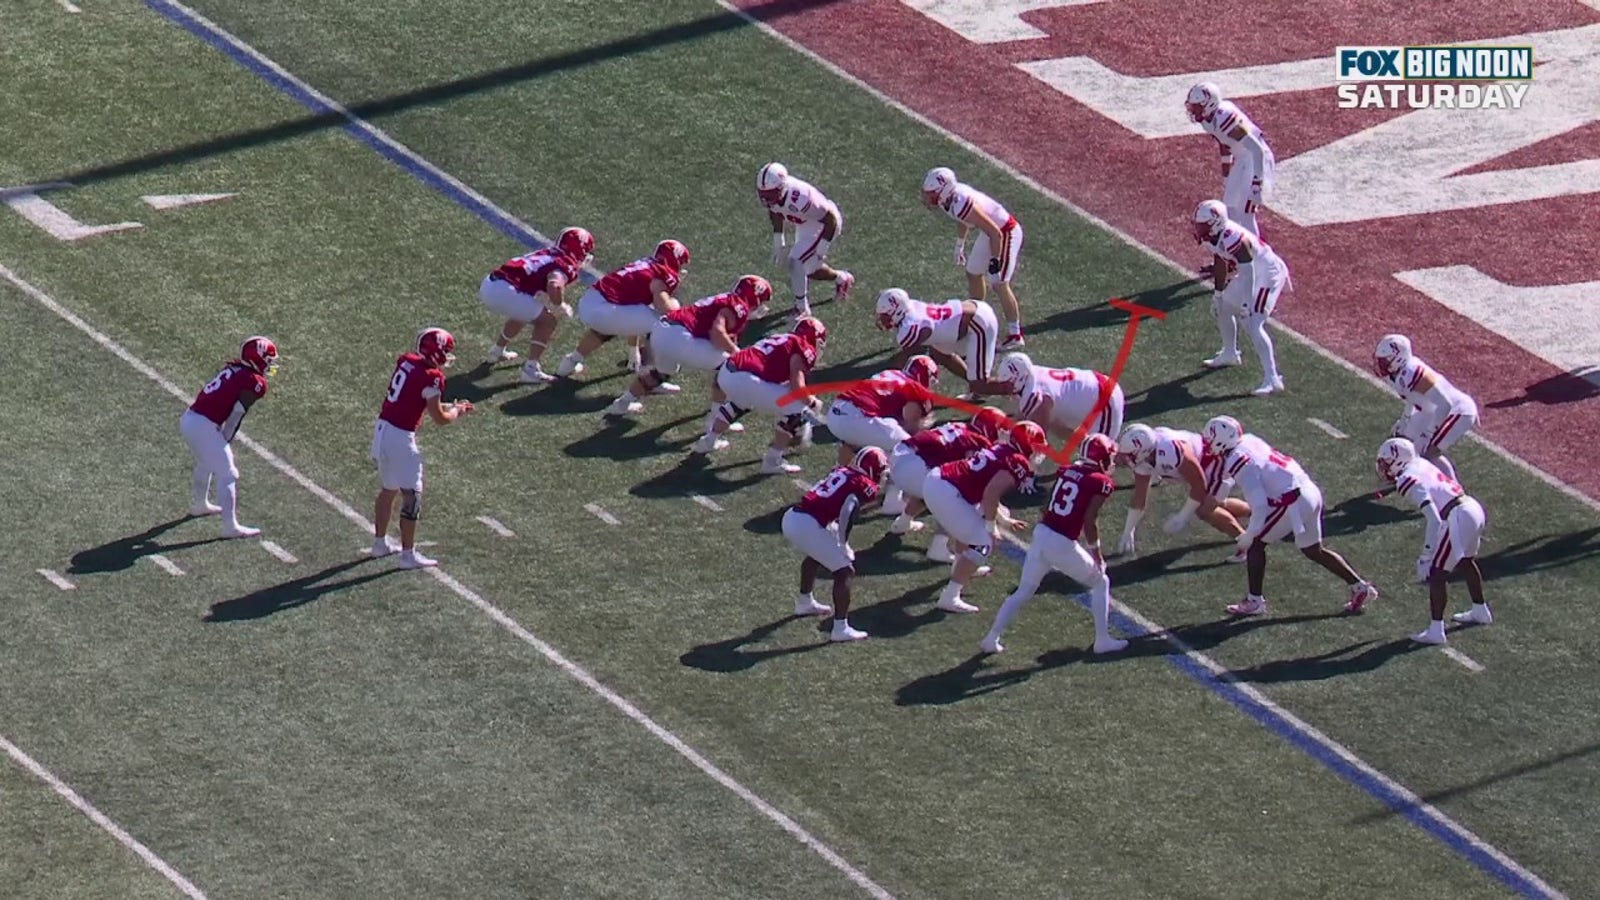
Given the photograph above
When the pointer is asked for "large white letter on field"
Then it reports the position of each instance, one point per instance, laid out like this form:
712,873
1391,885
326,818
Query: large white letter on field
989,21
1550,321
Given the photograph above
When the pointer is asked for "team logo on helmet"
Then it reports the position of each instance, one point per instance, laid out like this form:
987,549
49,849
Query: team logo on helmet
1029,438
577,243
989,422
260,354
752,290
1392,353
771,182
673,255
938,185
1222,434
893,304
1393,456
1202,101
1137,442
1016,371
871,462
436,347
1209,217
1099,450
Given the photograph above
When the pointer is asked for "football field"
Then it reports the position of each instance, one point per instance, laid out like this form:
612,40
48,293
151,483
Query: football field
600,693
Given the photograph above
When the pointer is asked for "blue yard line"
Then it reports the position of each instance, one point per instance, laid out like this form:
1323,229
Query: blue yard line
1271,718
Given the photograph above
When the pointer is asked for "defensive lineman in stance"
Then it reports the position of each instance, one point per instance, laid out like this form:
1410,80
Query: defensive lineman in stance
1455,529
1072,513
1283,500
211,421
1437,413
995,252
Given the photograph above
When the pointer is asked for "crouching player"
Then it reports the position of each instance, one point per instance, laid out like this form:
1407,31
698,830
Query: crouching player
1455,529
819,527
913,458
964,498
1169,454
1073,512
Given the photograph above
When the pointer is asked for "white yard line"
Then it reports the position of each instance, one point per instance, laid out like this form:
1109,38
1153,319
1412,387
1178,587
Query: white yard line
495,613
802,484
57,579
707,502
1331,431
167,565
599,512
184,885
68,6
1590,502
1471,664
496,526
282,554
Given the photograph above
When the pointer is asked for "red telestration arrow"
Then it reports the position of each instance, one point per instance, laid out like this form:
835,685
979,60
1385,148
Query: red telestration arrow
1062,457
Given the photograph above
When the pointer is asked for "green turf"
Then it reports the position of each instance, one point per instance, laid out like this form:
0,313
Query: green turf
380,736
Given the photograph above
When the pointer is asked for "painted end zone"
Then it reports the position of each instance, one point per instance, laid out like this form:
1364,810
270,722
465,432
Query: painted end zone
1346,260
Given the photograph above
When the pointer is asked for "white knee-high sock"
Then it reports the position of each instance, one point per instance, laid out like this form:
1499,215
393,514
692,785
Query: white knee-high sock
202,485
1229,326
1100,608
1257,326
228,499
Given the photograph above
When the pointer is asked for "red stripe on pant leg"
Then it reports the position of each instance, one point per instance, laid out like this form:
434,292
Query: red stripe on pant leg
1443,429
1273,518
1261,301
1442,555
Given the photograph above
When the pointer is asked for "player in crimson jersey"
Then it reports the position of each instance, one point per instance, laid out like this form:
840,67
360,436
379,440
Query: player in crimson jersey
627,303
416,386
882,411
211,421
819,527
1283,501
1067,539
912,459
515,290
759,377
964,497
1450,544
699,336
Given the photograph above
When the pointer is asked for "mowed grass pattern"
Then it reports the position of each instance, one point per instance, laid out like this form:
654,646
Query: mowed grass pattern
364,732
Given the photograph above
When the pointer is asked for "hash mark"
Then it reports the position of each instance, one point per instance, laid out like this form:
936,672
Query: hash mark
496,526
1332,432
68,6
167,565
707,502
57,579
1471,664
279,552
802,484
599,512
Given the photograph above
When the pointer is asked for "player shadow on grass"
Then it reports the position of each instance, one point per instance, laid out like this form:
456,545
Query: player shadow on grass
731,656
1361,512
290,594
470,386
1439,796
618,440
561,397
1104,315
1203,636
1547,551
122,553
1331,664
1159,400
1126,570
695,474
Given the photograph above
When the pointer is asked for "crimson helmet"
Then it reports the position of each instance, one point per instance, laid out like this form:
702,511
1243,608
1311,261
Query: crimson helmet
436,346
812,330
577,243
989,422
923,370
1100,451
871,462
673,255
753,291
1029,438
260,354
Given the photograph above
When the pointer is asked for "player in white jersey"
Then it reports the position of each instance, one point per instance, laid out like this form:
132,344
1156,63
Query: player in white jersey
1251,294
1437,413
1455,530
959,334
1247,161
1062,399
995,252
1168,454
817,224
1283,500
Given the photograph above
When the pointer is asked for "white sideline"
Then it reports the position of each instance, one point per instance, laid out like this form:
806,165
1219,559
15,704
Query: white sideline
1311,732
1590,502
572,669
101,819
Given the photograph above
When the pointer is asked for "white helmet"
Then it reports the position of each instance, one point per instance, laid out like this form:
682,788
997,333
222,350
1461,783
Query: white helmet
1393,351
938,184
1221,435
893,305
1137,442
1393,456
772,181
1016,370
1202,100
1209,217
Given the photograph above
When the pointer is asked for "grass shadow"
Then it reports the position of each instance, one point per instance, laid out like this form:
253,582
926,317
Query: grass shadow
1361,512
619,440
290,594
120,554
559,398
1331,664
1548,551
731,656
694,474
